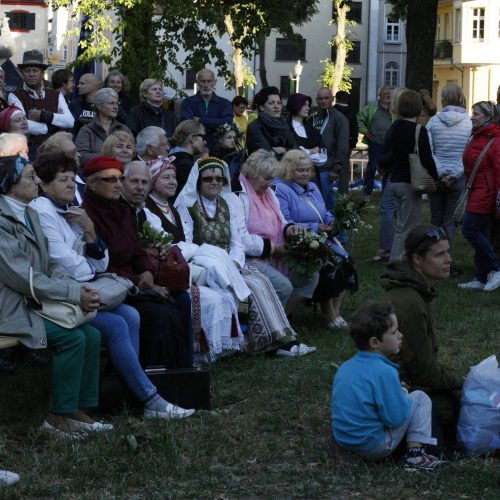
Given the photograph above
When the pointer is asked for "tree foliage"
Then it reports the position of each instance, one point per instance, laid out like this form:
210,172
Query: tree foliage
150,35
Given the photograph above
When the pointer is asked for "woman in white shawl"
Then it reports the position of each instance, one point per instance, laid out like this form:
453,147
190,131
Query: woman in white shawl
207,218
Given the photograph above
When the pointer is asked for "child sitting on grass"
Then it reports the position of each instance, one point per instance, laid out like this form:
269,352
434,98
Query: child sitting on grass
371,411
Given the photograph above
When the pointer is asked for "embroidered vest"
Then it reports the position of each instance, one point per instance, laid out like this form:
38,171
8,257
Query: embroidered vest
50,103
216,231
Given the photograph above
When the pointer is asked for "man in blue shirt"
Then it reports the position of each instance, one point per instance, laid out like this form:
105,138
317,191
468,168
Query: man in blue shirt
206,106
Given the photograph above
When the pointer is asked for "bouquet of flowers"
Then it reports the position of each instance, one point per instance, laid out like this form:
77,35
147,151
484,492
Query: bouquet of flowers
306,252
347,212
150,238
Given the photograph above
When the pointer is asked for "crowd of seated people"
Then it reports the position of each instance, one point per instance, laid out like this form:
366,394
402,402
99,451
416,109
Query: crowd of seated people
100,181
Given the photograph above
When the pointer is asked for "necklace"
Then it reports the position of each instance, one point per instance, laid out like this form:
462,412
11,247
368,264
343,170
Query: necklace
204,211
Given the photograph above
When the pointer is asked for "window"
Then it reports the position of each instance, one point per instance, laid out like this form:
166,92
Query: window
438,28
190,78
65,53
21,20
285,86
392,30
289,50
478,24
457,31
447,26
391,74
353,56
356,11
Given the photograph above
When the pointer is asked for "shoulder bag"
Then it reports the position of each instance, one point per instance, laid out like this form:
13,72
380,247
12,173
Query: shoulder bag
421,180
63,314
458,213
113,289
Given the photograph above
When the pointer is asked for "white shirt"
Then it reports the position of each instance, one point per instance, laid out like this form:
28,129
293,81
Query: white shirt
63,118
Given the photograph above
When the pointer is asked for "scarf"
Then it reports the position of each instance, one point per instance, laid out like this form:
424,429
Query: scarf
264,217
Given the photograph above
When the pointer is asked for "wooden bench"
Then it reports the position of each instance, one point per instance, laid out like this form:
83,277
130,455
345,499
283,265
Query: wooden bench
8,342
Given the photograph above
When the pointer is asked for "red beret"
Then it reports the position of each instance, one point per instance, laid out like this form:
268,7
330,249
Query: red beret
101,163
5,117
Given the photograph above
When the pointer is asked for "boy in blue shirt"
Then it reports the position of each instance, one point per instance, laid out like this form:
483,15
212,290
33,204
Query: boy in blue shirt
371,411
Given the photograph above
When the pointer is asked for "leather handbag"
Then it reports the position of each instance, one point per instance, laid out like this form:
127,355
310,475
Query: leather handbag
113,289
186,387
421,180
458,213
171,271
63,314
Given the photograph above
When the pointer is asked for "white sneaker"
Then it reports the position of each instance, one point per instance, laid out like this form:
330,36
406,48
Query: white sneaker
338,322
8,478
472,285
171,411
493,281
94,427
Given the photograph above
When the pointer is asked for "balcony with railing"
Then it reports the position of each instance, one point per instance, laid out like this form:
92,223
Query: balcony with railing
443,49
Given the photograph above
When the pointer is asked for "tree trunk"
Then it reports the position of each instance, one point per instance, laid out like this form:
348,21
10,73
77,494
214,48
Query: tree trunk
340,43
237,57
262,61
420,43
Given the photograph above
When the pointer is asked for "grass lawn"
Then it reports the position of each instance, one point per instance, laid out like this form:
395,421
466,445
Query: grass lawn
267,434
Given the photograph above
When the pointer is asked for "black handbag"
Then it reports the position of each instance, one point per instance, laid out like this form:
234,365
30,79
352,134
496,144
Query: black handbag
185,387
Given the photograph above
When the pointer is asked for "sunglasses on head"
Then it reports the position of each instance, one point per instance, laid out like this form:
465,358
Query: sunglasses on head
434,234
218,178
112,180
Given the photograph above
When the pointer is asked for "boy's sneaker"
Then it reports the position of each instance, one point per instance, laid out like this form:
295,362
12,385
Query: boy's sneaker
422,461
493,281
472,285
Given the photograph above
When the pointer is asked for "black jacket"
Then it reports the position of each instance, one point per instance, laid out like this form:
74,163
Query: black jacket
145,115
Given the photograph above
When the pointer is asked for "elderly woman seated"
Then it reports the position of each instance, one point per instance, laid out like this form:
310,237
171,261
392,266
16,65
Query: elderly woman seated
151,143
25,265
301,203
166,337
119,145
74,244
264,229
207,217
91,137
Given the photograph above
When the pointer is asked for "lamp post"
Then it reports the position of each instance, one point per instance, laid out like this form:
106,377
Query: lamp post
298,72
297,69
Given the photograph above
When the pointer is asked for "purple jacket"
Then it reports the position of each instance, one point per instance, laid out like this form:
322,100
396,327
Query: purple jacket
295,208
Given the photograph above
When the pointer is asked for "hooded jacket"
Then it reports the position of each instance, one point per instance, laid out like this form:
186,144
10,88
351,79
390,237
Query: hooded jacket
449,132
410,294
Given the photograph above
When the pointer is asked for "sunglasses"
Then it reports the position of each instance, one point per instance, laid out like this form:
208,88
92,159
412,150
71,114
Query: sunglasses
434,234
217,178
112,180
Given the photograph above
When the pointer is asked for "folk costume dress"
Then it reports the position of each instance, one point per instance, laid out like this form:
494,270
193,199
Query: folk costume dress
211,221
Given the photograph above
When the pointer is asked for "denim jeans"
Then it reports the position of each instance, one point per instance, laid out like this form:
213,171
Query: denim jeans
327,189
387,216
375,152
120,334
476,230
442,204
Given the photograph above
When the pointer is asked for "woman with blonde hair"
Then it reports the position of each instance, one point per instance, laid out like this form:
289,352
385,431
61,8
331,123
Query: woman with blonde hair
150,111
301,203
120,145
449,132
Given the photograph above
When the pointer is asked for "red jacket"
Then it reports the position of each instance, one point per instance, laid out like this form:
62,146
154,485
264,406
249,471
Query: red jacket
487,181
113,223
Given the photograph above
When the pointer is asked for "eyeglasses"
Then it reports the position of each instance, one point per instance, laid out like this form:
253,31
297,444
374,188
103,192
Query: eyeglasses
111,180
218,178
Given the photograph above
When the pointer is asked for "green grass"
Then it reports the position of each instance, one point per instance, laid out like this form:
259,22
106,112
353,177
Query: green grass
267,434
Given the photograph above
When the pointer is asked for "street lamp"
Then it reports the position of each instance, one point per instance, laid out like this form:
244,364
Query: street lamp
298,68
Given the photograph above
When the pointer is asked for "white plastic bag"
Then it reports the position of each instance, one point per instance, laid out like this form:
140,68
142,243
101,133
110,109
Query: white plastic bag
479,422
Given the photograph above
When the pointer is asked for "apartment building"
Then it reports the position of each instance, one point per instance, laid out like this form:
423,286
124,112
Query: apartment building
467,48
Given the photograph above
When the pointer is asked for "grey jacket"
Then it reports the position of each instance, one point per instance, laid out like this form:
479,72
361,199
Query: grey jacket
20,249
335,137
